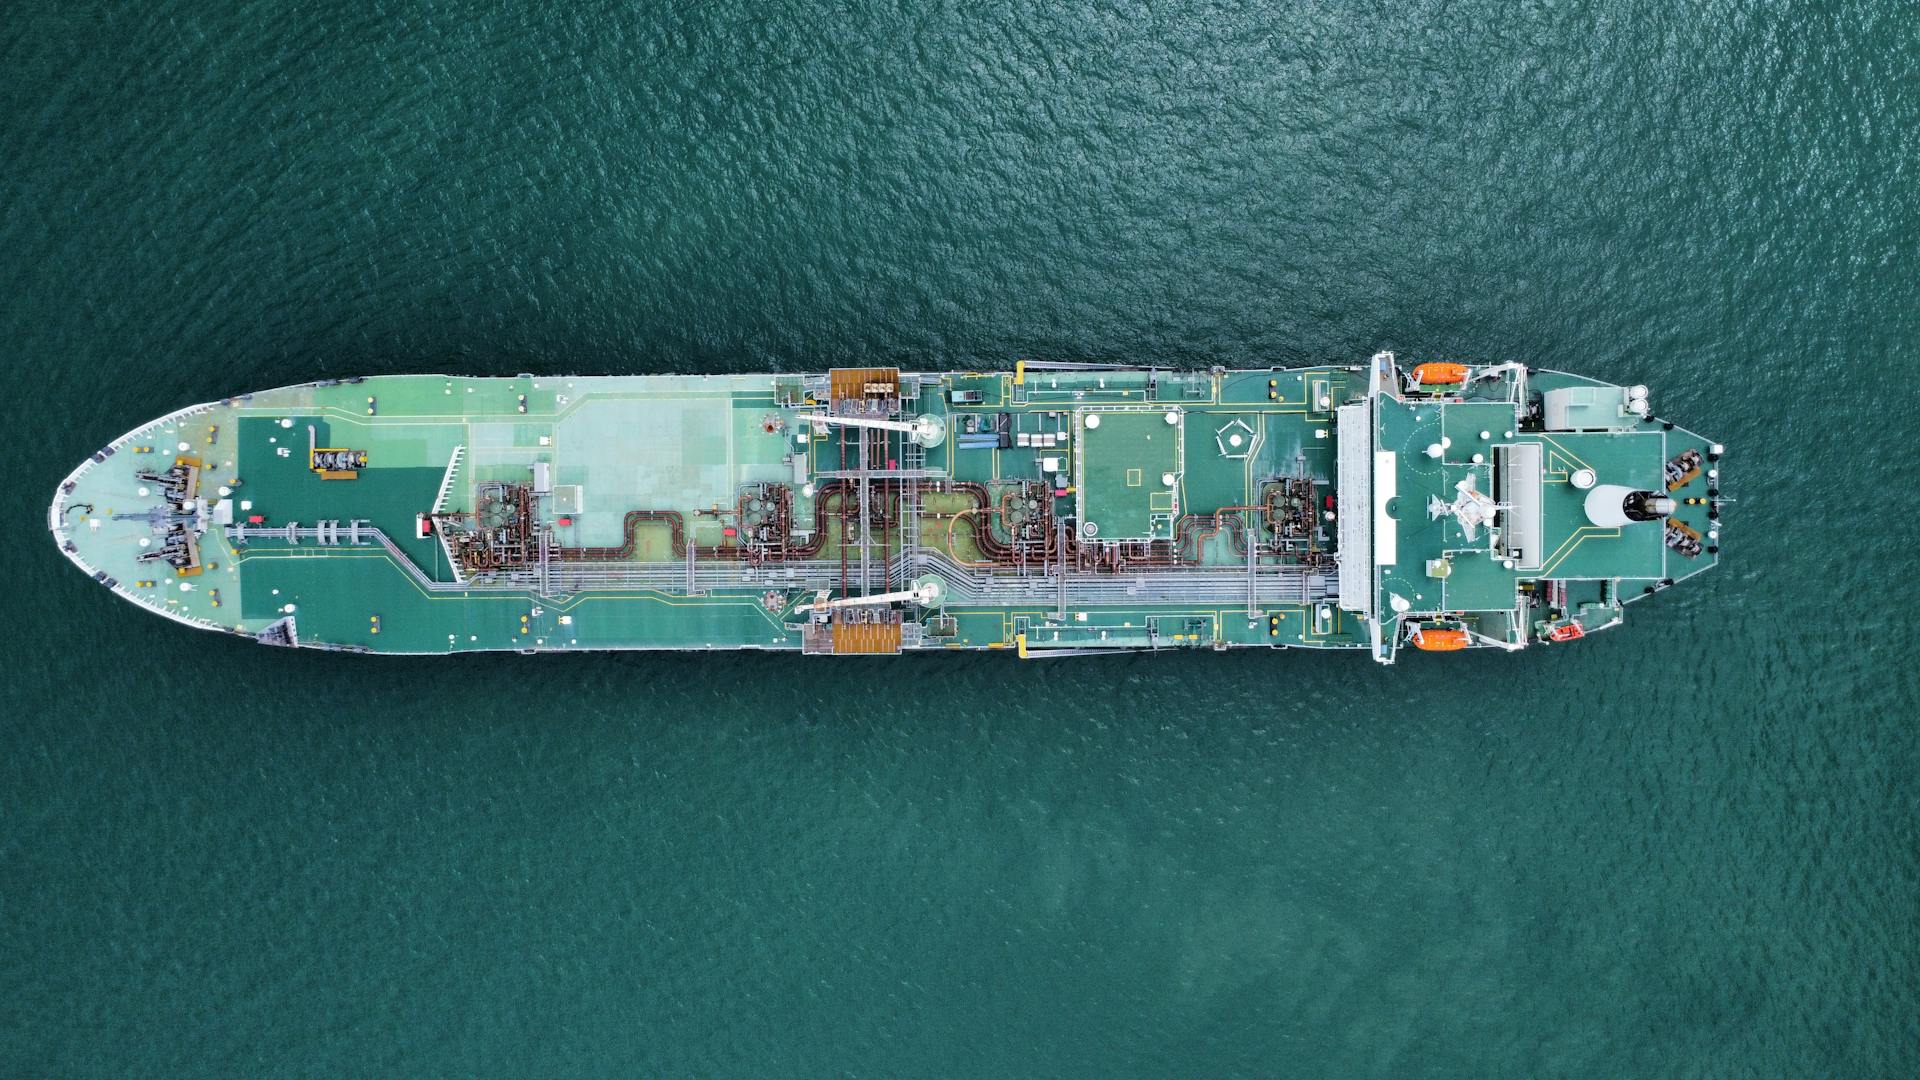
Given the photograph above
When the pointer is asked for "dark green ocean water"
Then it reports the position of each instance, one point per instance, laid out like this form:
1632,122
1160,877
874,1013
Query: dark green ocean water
1686,848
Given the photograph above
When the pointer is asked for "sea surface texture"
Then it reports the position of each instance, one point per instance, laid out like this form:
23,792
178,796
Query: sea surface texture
1689,847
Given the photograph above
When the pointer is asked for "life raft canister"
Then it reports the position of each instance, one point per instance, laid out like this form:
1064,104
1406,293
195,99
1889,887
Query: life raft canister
1433,639
1435,374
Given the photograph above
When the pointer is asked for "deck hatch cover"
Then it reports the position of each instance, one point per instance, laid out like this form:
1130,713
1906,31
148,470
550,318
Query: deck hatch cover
1518,491
1354,473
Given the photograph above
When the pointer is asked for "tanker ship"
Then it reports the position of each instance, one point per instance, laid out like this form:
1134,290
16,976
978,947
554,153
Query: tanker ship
1047,511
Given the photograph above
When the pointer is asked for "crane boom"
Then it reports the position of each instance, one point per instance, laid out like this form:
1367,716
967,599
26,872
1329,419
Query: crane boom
925,430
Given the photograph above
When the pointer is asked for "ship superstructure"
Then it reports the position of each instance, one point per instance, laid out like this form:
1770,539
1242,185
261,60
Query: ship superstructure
1048,510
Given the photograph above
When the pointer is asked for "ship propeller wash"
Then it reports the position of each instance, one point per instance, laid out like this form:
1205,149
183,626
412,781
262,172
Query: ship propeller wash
1052,510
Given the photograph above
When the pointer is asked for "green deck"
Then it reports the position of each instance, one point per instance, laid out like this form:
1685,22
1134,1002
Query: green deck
699,445
1123,473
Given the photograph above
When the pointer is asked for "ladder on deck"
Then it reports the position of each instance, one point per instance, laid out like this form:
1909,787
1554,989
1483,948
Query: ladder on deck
446,481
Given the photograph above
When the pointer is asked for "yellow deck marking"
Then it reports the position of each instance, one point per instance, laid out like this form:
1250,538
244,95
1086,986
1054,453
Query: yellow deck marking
1579,536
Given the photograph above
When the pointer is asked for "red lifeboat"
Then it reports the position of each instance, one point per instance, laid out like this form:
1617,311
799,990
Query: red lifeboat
1440,374
1438,639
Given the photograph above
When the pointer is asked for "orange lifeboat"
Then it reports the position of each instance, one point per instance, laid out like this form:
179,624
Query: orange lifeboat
1438,374
1572,631
1436,640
